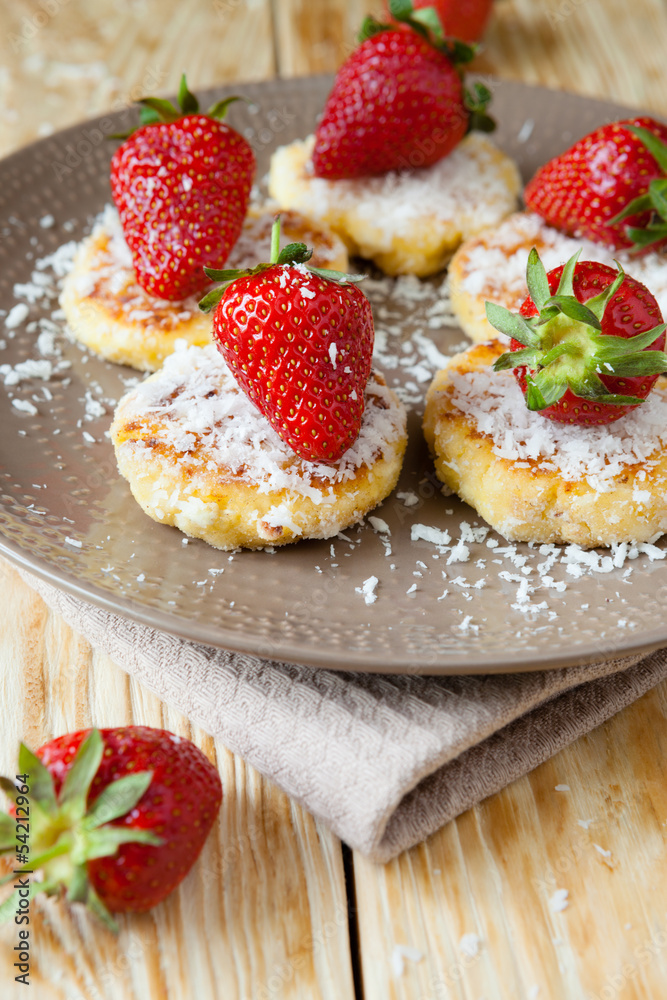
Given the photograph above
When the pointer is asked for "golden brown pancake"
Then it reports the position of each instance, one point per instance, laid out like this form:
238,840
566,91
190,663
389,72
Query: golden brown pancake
199,455
535,480
409,222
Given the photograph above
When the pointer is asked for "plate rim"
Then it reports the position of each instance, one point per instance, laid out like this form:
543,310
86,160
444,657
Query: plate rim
467,662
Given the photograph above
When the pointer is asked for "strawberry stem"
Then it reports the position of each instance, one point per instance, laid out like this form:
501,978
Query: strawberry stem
426,22
293,253
275,240
187,100
156,110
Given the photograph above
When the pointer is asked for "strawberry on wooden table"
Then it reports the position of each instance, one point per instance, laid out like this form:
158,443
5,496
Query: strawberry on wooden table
299,341
116,817
398,101
181,184
609,187
587,345
464,19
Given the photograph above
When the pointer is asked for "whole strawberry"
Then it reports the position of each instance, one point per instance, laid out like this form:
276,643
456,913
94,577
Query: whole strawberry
181,185
398,102
116,817
609,187
587,345
299,342
464,19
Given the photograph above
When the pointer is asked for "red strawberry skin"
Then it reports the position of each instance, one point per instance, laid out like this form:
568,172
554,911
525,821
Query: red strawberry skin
396,103
180,806
182,190
464,19
633,309
300,347
580,191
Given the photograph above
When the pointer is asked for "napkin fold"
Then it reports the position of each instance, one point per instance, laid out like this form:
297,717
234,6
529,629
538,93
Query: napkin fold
384,761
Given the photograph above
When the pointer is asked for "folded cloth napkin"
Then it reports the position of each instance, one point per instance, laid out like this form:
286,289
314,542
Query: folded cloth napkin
383,760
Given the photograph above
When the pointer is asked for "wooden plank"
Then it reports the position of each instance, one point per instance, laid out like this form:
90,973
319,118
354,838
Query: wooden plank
494,872
62,68
262,914
613,50
317,37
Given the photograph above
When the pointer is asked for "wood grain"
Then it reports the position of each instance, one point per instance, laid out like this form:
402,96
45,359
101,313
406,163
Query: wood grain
85,59
602,48
317,37
262,914
494,872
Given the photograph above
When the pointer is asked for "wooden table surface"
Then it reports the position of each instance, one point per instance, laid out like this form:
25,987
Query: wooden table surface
276,906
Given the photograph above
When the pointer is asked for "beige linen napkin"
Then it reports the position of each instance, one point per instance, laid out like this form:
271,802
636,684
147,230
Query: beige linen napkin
383,760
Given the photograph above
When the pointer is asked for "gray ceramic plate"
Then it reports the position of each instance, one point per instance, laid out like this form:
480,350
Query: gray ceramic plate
66,516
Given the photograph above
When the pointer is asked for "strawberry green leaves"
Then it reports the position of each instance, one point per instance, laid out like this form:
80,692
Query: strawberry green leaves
656,147
655,199
567,346
512,325
157,109
426,22
293,253
476,102
7,833
609,187
64,833
42,789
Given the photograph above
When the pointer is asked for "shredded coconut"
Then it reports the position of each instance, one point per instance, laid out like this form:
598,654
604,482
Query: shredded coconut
17,315
367,590
398,956
597,455
465,185
496,266
204,404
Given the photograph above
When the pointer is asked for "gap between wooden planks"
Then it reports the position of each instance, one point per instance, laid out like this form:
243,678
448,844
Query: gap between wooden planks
491,871
264,913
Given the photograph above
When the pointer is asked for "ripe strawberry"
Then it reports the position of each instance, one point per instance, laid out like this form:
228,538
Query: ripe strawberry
609,187
299,341
587,345
464,19
181,185
398,102
116,817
